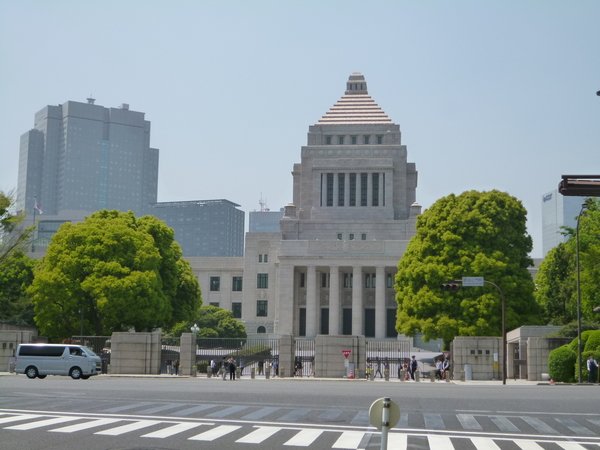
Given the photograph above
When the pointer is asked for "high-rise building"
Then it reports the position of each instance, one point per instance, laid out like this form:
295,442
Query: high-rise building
82,157
558,211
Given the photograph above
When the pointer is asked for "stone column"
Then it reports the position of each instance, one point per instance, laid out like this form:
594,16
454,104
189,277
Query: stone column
284,314
380,307
357,301
334,300
311,301
187,363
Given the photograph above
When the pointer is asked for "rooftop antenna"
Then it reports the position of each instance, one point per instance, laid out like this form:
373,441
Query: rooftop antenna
91,99
263,204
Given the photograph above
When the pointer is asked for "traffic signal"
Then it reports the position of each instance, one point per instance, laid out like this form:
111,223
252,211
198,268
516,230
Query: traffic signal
451,286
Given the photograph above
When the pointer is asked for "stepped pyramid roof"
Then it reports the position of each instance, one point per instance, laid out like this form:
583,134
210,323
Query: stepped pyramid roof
356,106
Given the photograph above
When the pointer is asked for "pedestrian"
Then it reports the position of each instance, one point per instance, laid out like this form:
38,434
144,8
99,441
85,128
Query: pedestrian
261,366
446,368
276,367
377,368
224,367
169,367
439,369
413,367
592,367
213,367
232,369
176,367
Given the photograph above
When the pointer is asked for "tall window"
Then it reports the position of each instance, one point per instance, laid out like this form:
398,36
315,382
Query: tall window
263,258
215,284
379,139
348,279
353,140
329,189
328,140
236,309
389,280
261,308
366,139
370,280
236,284
352,189
324,280
363,188
262,280
341,140
375,196
341,188
302,279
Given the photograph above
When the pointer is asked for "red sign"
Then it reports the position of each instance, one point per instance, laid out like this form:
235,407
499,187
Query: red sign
346,353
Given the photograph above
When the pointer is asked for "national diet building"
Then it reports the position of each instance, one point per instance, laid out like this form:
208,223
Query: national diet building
328,265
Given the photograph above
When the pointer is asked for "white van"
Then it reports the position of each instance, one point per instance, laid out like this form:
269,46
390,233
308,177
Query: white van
39,360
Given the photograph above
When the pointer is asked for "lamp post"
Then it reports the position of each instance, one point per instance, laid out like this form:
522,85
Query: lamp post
194,329
583,207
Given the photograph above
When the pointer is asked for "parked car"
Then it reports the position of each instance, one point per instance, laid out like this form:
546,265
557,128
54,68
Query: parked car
39,360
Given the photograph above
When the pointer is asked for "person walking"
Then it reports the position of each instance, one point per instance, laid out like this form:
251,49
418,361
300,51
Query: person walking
232,369
592,367
413,367
377,368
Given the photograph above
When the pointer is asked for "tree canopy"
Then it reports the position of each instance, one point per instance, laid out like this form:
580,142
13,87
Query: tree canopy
213,322
113,272
556,280
13,235
471,234
16,274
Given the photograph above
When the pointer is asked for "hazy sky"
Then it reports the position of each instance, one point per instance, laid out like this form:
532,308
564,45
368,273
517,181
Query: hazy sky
488,94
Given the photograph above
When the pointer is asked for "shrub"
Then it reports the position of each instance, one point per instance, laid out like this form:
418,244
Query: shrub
561,364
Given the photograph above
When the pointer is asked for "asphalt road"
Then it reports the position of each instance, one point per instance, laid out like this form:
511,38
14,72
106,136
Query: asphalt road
139,413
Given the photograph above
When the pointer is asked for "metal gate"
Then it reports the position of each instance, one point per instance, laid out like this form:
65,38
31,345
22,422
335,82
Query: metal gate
304,358
387,354
100,345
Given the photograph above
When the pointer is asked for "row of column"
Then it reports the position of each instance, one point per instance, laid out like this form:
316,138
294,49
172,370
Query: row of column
312,301
334,190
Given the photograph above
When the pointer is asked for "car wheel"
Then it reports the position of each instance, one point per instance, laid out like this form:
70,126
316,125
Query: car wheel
31,372
75,373
42,376
84,377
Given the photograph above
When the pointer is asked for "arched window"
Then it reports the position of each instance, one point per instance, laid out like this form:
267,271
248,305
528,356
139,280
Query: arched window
261,330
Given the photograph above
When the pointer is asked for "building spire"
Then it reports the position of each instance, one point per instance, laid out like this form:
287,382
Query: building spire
356,84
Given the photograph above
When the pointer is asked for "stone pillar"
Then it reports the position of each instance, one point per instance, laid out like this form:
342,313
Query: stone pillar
135,353
357,301
380,307
334,300
187,362
286,355
311,301
284,313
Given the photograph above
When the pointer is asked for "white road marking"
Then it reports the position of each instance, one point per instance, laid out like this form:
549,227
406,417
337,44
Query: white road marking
42,423
137,425
215,433
349,440
85,425
304,438
172,430
259,435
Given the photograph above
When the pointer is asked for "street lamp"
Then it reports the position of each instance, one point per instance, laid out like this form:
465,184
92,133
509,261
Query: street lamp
195,328
583,207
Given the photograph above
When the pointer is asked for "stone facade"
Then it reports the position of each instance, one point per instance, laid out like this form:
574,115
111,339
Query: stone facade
135,353
477,358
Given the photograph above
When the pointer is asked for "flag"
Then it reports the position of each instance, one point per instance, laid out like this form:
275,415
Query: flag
36,206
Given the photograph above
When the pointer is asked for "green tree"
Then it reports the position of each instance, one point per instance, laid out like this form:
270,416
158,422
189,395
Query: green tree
112,272
13,235
16,275
472,234
556,280
212,322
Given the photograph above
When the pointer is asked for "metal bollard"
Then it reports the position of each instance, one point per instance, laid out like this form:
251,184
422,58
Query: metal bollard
432,376
417,376
386,374
253,373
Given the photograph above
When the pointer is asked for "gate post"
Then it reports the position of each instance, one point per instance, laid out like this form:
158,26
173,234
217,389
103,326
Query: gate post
187,355
286,355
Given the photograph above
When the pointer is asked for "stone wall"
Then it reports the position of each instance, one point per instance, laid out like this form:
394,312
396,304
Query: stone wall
135,353
329,358
9,340
477,357
538,349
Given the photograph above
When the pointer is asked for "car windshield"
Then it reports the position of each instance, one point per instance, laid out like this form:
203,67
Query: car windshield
89,351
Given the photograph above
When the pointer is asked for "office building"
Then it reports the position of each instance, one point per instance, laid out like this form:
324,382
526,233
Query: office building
558,211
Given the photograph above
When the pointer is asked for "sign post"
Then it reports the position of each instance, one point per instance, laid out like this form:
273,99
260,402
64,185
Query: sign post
383,415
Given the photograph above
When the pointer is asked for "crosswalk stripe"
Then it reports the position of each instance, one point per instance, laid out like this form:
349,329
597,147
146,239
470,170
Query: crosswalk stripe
504,424
468,422
575,427
227,411
571,446
259,435
484,443
361,418
261,413
17,418
43,423
304,438
527,444
398,441
540,426
194,409
85,425
433,421
159,408
173,430
128,406
440,442
349,440
129,427
215,433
